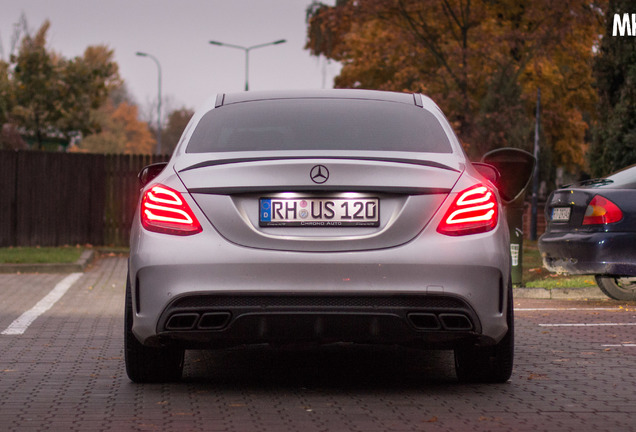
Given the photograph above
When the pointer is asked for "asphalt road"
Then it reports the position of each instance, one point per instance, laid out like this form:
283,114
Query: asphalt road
61,369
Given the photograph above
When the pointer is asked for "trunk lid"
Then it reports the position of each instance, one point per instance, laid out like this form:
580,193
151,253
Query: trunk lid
407,192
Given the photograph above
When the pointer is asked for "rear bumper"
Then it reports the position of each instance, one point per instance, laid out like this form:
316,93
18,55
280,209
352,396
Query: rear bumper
603,253
227,319
200,292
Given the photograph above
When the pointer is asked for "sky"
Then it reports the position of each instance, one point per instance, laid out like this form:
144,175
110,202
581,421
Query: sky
177,33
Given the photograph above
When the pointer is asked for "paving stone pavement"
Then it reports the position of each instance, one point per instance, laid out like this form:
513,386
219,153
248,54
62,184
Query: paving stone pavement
66,373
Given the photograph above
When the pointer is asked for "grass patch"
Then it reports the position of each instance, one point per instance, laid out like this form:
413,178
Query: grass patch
563,282
40,255
536,276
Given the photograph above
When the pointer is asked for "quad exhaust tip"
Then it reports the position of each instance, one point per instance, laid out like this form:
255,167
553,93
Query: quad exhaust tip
456,322
214,320
443,321
195,321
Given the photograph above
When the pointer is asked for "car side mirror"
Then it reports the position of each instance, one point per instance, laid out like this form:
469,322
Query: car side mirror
150,172
515,167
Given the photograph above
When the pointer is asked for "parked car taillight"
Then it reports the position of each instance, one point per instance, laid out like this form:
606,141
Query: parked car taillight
601,211
164,210
475,210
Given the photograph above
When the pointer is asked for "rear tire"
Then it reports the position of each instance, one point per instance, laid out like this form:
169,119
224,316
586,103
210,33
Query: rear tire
147,364
491,364
617,288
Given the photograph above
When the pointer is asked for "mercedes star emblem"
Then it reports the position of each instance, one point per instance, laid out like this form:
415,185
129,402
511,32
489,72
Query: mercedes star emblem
319,174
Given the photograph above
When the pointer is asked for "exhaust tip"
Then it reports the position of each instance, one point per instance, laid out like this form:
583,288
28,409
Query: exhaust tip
455,322
214,320
424,321
183,321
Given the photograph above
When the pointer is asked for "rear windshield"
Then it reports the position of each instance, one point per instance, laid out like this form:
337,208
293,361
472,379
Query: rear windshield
319,124
625,178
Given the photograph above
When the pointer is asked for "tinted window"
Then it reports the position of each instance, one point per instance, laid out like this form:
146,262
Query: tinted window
323,124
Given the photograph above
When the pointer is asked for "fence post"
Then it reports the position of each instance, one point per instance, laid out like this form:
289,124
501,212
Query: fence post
8,179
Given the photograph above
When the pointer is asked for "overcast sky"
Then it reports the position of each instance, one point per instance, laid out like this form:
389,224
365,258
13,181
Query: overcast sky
177,33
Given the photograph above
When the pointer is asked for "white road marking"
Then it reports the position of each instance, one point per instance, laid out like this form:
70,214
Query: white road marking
22,323
616,309
619,345
565,309
588,325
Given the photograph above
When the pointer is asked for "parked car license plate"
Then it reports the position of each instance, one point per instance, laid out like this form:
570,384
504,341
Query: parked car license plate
319,212
561,214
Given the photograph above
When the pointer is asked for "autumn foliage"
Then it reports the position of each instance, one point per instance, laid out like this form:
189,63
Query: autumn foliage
46,94
121,132
45,97
481,61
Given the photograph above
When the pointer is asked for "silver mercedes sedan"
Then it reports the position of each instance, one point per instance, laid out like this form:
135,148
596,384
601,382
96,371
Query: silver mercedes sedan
326,216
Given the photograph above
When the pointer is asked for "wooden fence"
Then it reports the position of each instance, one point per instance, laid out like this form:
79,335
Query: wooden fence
53,199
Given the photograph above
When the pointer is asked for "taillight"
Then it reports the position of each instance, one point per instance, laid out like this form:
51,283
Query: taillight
163,210
601,211
475,210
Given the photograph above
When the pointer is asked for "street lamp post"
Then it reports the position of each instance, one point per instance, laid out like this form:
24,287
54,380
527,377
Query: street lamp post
142,54
247,54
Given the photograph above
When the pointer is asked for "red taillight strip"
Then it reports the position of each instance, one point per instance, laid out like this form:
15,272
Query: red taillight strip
474,211
176,201
481,216
151,216
163,210
467,206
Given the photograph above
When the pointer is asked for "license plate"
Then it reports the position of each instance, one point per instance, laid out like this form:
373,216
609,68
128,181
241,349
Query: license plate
561,214
319,212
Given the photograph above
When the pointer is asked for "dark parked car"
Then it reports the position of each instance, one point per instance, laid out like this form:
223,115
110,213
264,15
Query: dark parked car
592,230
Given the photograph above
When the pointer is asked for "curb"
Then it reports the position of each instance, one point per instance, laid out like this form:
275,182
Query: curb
585,293
77,267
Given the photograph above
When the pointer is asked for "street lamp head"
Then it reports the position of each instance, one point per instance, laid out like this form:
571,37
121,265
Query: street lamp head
247,52
142,54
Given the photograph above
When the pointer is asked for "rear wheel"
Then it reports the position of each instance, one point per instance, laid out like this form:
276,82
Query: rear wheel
491,364
147,364
618,288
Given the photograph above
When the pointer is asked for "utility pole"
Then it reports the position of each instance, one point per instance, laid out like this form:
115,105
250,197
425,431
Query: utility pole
535,179
159,150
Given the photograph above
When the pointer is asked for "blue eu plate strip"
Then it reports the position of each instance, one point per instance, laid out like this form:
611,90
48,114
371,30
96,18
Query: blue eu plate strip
266,210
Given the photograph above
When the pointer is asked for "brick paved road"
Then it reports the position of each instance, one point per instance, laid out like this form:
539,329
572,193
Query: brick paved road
66,373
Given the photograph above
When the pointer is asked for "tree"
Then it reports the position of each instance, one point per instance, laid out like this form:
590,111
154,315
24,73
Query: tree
86,83
36,85
481,61
614,135
177,122
6,95
121,132
54,95
9,136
